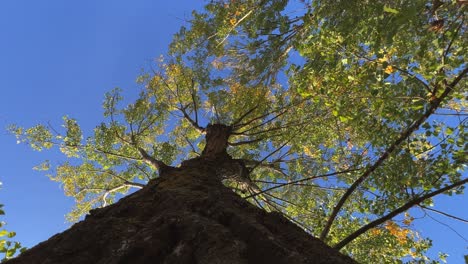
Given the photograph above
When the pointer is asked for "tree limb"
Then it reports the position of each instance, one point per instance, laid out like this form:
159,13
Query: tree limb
434,104
110,191
191,121
156,164
395,212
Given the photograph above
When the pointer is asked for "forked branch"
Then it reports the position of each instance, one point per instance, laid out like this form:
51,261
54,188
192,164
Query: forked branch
191,121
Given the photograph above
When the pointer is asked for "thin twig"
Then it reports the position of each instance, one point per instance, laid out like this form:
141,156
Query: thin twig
449,227
444,214
302,180
236,122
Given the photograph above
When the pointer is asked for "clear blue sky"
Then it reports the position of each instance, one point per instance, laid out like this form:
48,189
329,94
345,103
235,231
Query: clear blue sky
59,58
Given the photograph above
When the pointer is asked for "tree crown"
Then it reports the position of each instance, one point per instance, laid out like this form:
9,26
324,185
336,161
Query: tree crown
346,114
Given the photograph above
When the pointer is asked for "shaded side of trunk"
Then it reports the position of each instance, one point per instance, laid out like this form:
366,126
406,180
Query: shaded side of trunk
184,216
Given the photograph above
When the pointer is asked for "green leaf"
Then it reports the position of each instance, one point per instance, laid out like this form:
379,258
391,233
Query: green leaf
390,10
343,118
449,131
11,234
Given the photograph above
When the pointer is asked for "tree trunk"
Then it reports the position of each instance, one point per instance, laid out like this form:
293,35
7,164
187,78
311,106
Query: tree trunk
184,216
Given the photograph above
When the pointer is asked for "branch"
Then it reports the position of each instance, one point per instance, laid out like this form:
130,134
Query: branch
192,146
301,180
106,190
110,191
261,124
235,123
148,177
245,142
234,26
285,201
449,227
257,202
403,136
216,112
445,214
191,121
425,85
395,212
269,155
157,164
193,96
458,78
153,120
282,110
88,190
446,51
275,169
125,181
287,125
319,186
117,155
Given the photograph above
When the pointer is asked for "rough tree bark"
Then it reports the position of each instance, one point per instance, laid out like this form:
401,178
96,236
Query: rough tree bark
185,216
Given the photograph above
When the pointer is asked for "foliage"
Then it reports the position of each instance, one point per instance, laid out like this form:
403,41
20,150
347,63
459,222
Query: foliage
7,247
348,114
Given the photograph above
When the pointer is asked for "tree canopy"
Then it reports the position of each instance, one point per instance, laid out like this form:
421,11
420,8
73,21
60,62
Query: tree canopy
346,113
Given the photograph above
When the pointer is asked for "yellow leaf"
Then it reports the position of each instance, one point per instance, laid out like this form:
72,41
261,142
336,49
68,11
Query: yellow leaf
233,21
408,221
399,233
383,59
308,152
392,227
375,231
235,88
389,69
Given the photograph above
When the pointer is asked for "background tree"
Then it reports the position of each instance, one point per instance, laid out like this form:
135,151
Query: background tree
346,114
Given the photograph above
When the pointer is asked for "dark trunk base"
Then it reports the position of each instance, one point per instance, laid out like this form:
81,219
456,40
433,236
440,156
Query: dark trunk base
182,217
